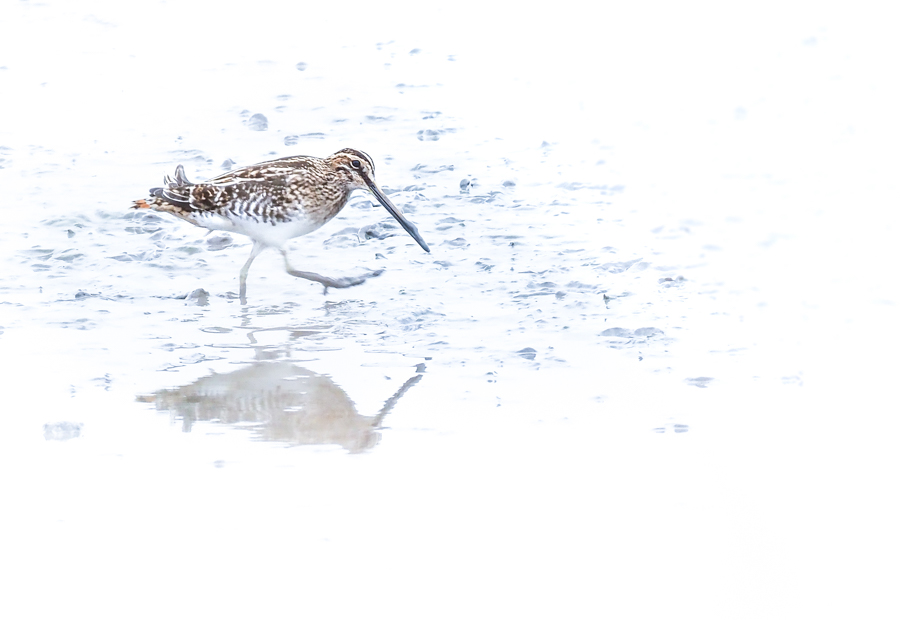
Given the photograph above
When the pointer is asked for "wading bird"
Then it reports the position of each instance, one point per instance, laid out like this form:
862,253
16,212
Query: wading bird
275,201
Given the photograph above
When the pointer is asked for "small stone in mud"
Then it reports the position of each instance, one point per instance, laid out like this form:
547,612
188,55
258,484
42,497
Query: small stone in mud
258,122
509,183
381,230
528,353
670,282
227,164
61,431
219,242
617,332
464,185
648,332
199,297
429,135
291,140
458,242
70,233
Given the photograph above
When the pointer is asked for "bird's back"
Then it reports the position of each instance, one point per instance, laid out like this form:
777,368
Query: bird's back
270,202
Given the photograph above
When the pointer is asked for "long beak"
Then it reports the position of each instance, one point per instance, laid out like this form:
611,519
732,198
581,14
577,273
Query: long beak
405,223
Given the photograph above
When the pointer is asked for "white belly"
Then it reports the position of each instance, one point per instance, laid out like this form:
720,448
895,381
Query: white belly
271,235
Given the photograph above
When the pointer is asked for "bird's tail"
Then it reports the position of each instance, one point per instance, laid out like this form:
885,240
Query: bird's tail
176,192
180,179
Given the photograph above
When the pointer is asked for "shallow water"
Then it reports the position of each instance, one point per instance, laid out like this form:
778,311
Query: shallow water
642,372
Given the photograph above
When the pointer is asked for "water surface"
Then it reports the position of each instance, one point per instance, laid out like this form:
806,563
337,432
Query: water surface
642,372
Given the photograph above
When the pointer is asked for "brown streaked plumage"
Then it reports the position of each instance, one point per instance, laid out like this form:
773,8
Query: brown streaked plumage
275,201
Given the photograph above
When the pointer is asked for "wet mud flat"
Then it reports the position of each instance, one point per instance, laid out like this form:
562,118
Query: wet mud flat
621,369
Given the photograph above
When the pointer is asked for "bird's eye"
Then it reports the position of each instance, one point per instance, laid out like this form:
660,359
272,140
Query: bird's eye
355,163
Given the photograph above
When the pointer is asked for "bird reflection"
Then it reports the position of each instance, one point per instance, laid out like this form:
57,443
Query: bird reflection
281,402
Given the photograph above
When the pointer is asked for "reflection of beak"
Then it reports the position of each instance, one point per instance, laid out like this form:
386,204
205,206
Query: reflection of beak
405,223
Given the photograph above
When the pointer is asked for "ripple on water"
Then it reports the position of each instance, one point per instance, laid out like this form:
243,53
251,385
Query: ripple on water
620,337
62,431
700,382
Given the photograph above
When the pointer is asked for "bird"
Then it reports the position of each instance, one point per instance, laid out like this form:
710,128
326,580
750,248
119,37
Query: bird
275,201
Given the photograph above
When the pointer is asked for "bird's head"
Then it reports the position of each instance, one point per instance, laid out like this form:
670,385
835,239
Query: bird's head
354,166
359,170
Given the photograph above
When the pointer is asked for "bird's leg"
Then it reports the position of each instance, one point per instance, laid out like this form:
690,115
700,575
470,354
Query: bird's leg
326,281
257,248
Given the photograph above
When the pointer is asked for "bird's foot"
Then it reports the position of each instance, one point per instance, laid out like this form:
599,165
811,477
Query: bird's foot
345,282
348,281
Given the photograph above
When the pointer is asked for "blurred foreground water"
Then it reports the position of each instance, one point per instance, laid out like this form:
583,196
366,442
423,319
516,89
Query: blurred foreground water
645,370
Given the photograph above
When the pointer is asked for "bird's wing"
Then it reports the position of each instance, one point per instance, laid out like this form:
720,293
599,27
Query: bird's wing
265,171
256,187
254,194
